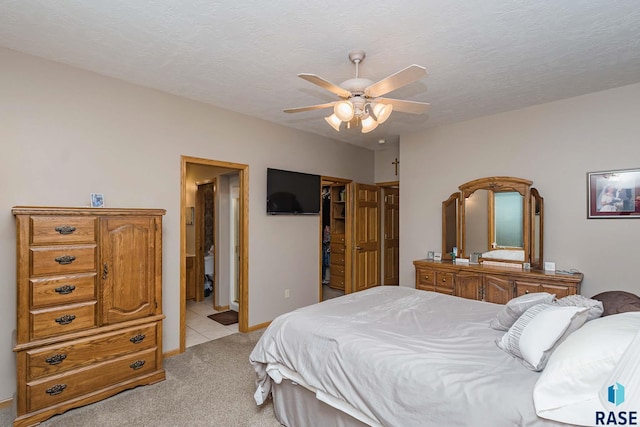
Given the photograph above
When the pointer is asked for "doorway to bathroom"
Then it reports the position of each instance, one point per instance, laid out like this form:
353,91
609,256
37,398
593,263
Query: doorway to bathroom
214,248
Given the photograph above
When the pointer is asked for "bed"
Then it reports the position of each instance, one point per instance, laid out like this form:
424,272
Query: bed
394,356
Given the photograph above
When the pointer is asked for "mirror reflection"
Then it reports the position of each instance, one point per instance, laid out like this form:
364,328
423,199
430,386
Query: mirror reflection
507,220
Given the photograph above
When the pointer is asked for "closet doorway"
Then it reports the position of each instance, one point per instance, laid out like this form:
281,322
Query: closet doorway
214,238
335,233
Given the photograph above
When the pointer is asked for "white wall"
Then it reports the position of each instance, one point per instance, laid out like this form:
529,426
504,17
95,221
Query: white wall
385,157
66,133
554,145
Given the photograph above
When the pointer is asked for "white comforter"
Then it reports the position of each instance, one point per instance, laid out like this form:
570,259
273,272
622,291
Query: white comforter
402,357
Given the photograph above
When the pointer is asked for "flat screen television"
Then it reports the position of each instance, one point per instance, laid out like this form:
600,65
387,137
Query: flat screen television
292,193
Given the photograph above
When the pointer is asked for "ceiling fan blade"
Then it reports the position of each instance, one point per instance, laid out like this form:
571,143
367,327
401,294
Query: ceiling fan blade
309,108
413,107
317,80
396,81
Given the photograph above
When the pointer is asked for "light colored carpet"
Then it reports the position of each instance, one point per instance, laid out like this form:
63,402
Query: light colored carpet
211,384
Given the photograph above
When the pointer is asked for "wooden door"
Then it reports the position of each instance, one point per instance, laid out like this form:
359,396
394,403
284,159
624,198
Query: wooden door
391,236
129,266
366,237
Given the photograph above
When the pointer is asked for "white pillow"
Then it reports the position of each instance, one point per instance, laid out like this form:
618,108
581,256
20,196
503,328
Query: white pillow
539,330
595,307
581,367
513,309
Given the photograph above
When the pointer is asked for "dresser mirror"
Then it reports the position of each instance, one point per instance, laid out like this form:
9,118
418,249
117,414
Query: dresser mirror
500,218
450,225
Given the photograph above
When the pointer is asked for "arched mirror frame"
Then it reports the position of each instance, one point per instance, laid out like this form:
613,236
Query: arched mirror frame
533,215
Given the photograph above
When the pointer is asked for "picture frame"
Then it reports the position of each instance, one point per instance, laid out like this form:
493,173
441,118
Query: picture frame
97,200
613,194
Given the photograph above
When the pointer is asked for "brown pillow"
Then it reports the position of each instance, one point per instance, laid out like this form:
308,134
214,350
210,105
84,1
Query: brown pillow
618,302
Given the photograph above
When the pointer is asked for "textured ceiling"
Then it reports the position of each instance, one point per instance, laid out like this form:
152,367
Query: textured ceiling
483,57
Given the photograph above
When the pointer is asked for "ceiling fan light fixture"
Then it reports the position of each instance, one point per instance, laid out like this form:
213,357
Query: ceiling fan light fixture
344,110
334,122
368,124
381,111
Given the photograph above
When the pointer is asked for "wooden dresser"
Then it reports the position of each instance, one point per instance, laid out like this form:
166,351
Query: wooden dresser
89,313
491,283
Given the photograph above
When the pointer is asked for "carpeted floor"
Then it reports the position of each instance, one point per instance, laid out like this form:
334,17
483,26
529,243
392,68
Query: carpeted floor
209,385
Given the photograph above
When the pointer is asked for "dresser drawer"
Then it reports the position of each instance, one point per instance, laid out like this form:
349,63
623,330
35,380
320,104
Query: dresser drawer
338,238
337,249
336,282
560,291
444,281
62,290
425,278
62,320
51,391
62,230
337,258
83,352
70,259
337,270
432,280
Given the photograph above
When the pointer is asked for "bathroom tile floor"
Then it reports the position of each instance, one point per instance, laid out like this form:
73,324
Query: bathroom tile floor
200,328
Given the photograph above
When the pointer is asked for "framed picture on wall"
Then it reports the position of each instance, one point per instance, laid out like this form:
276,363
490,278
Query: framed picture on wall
613,194
97,200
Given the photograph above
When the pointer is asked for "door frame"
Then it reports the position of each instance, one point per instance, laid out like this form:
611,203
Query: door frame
243,173
383,186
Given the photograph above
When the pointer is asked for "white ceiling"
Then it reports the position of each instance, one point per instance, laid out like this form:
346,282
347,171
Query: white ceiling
483,57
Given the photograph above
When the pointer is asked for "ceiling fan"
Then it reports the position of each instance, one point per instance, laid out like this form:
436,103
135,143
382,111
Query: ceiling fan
361,99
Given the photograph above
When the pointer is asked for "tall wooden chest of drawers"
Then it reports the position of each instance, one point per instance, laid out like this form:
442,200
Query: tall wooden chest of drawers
89,313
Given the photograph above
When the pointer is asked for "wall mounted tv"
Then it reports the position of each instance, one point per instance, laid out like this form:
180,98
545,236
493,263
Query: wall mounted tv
292,193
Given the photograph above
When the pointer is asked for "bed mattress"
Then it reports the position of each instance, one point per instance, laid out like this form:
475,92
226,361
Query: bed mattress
397,356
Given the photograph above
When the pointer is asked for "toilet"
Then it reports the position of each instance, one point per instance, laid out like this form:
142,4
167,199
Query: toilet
208,267
208,275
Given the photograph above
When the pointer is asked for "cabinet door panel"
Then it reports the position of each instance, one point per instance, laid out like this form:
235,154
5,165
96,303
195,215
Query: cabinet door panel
497,289
127,268
469,286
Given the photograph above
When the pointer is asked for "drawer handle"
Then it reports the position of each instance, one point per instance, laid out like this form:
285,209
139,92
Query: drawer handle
526,291
105,271
426,277
65,229
56,389
56,359
66,289
66,319
137,339
137,364
444,279
65,259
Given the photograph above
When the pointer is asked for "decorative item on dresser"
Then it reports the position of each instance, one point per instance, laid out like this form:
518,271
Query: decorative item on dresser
495,284
89,314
